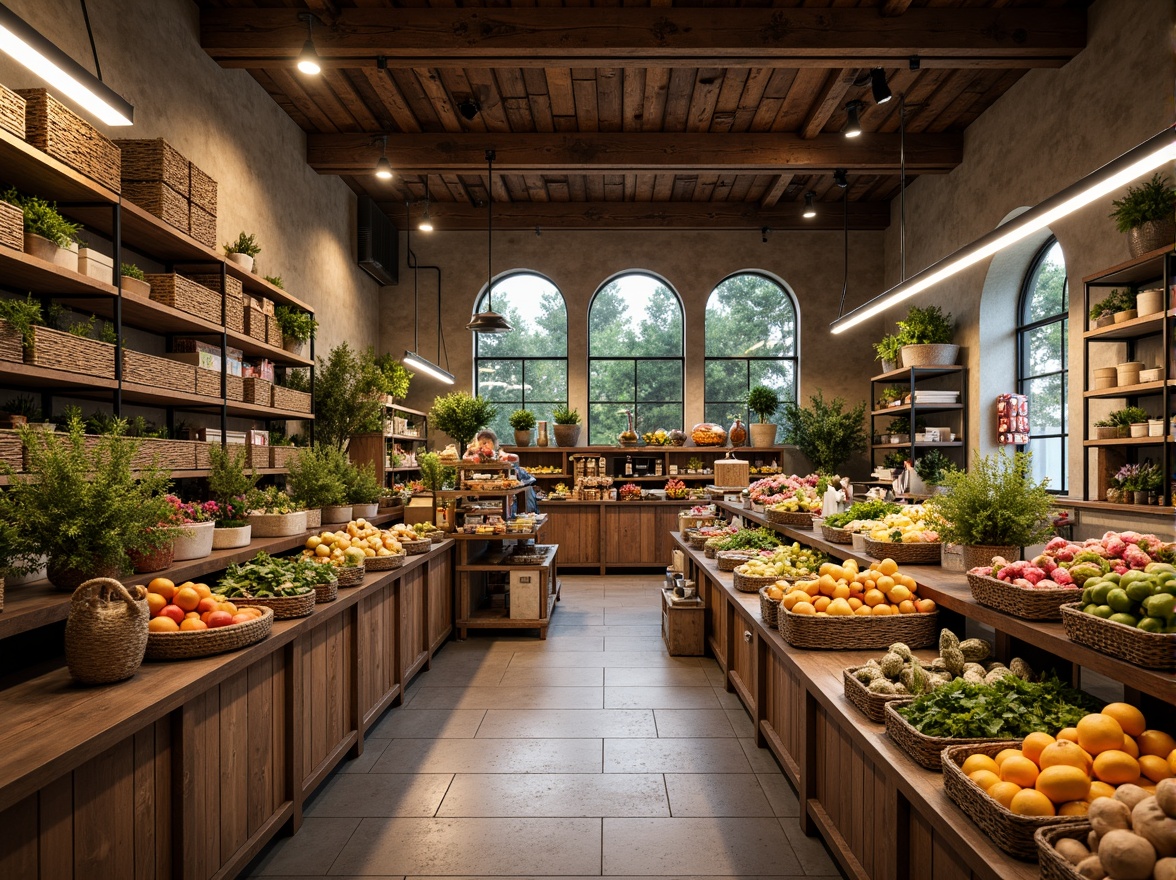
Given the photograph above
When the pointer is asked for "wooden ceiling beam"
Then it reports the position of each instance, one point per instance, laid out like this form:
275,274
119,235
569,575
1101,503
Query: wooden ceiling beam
451,216
628,152
635,36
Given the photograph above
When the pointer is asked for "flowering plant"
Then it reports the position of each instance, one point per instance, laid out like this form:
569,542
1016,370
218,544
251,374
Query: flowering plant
185,512
798,492
1128,477
676,489
629,492
228,514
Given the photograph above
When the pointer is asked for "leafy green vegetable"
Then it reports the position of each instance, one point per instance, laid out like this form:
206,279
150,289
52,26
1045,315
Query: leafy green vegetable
266,576
750,539
862,510
1009,707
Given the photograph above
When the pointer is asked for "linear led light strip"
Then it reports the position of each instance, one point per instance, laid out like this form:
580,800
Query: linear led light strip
43,58
1148,156
415,361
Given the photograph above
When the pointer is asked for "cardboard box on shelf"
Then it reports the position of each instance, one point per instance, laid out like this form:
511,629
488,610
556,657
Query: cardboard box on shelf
213,435
236,361
207,356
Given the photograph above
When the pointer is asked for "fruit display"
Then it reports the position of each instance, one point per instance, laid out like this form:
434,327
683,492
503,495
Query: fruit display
788,561
707,434
676,489
1066,564
862,515
191,607
749,539
659,437
914,524
786,492
544,469
354,543
629,492
1144,599
265,577
900,672
842,590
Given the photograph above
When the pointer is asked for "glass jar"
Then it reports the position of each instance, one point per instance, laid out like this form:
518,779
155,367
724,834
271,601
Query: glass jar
737,434
708,434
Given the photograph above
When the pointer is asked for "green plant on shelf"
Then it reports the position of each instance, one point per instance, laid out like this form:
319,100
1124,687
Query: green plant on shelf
763,402
349,396
108,334
313,477
461,416
888,348
297,380
227,478
1129,415
694,464
245,244
926,326
276,281
562,415
22,315
364,487
931,467
825,432
1116,301
271,500
522,420
130,270
894,461
1149,202
295,323
42,218
996,502
82,327
890,394
434,475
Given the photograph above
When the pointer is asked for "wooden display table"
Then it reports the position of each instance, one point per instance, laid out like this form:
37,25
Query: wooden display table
480,555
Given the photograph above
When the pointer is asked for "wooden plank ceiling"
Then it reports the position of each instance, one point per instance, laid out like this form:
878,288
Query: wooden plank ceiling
638,113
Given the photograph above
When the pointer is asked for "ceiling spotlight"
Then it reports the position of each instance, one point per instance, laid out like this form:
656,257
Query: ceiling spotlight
879,86
764,234
468,108
914,62
810,210
383,166
308,59
840,179
426,224
853,124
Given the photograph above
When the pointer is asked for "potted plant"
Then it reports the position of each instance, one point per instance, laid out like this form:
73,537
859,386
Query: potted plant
566,427
1128,419
81,504
363,492
889,352
1113,307
523,422
48,235
1146,214
242,251
930,469
763,402
826,433
349,396
133,280
461,416
230,485
194,523
396,378
297,327
274,514
892,395
313,482
994,508
1106,429
1152,483
926,336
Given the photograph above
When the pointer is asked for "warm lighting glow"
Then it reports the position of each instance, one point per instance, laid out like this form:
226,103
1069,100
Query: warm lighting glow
810,210
426,225
308,59
384,169
414,361
1135,163
853,124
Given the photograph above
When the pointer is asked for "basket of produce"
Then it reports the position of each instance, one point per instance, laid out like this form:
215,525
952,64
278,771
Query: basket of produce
1036,602
834,535
697,539
789,562
770,604
348,576
746,583
385,563
1118,638
800,519
1059,860
284,585
839,528
824,631
106,632
906,553
711,548
420,545
533,554
1128,835
926,751
870,703
729,560
248,625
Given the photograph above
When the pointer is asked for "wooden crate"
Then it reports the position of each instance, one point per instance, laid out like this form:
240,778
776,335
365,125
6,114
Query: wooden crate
291,400
146,369
202,190
202,225
52,127
273,331
255,322
682,627
257,391
153,159
12,112
160,200
186,295
11,226
75,354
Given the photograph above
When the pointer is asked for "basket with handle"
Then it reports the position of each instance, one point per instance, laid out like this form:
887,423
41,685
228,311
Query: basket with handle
202,643
106,632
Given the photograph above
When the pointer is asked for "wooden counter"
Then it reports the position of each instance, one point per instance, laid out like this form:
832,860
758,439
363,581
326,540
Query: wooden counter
612,534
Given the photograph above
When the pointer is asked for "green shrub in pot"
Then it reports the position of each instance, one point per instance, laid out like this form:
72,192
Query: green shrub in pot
461,416
1147,214
313,478
825,432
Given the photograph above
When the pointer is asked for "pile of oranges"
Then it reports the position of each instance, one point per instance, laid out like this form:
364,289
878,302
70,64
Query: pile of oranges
844,590
1060,776
191,607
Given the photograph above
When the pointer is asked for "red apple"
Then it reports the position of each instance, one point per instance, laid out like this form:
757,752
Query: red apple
207,604
175,612
219,618
243,618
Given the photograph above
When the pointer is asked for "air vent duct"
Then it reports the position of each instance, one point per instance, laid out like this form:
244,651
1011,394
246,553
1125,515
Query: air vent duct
379,243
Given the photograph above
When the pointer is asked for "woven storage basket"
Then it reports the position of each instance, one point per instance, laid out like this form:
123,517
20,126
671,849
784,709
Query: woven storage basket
175,455
698,541
286,607
927,751
384,563
11,344
54,128
789,518
282,456
257,391
836,536
212,280
412,548
769,608
350,575
278,525
106,632
324,593
906,554
202,225
12,112
154,159
729,560
1009,831
201,189
1018,601
853,633
147,369
291,400
203,455
257,456
1149,650
11,450
870,704
235,388
202,643
745,584
255,323
235,312
1054,866
74,354
11,225
208,382
155,560
709,550
160,200
186,295
273,331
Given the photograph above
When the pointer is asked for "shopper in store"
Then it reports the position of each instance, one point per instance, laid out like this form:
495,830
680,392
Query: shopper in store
521,474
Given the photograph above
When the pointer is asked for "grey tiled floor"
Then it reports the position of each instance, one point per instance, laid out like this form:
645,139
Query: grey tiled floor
591,753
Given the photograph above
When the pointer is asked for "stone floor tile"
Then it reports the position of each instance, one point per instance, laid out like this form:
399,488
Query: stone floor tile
426,724
716,795
692,723
741,721
311,851
668,847
685,755
810,851
491,756
556,795
360,795
561,676
574,723
761,760
656,676
780,793
660,698
604,659
372,751
508,698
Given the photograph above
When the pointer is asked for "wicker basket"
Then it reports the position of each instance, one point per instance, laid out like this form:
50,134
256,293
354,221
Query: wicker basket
11,225
12,112
1053,865
282,456
1018,601
235,312
746,584
235,388
160,200
175,455
384,563
709,550
286,607
74,354
11,344
154,159
201,189
769,608
278,525
927,751
212,280
11,450
697,541
106,633
413,548
153,560
147,369
54,128
202,643
208,382
870,704
1149,650
836,536
254,323
186,295
257,391
290,400
853,633
1011,832
729,560
273,331
799,520
906,554
351,575
202,225
328,592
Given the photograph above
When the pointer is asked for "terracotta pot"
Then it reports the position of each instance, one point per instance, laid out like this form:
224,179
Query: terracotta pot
981,554
194,541
567,435
763,434
522,438
1150,236
227,539
153,560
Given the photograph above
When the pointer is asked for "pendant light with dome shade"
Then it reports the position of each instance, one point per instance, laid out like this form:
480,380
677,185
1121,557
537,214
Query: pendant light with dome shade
426,224
489,321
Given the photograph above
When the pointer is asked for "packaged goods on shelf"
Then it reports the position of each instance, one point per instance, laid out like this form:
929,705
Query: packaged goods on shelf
262,369
208,356
213,435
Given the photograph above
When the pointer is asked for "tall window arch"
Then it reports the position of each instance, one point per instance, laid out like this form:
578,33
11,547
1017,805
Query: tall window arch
1043,336
751,339
635,356
528,367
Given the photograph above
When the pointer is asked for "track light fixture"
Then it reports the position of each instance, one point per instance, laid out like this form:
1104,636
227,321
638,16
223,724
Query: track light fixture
879,87
853,122
383,166
810,209
764,234
839,178
308,59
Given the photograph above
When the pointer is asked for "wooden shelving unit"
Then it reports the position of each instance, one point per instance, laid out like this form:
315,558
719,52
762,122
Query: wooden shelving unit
559,456
914,379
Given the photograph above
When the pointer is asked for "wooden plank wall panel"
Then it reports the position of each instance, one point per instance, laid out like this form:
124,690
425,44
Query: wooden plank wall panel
56,829
104,815
784,710
666,523
19,857
326,696
377,617
413,626
630,537
577,531
744,658
440,580
234,769
264,706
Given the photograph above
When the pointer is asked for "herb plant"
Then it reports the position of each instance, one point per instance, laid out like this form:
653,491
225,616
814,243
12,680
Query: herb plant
926,326
1115,301
764,402
349,396
23,315
245,244
889,347
561,415
130,270
1129,415
295,323
227,480
276,281
271,500
932,466
297,380
1151,201
266,577
364,488
825,432
41,218
522,420
862,510
995,502
750,539
313,478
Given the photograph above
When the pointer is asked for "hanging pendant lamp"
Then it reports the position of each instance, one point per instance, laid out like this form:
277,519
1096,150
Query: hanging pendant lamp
489,321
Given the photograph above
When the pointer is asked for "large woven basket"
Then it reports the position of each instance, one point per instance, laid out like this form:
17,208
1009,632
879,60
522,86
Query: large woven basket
202,643
154,159
412,548
176,455
52,127
384,563
286,607
697,540
870,704
11,450
836,536
789,518
853,633
235,388
927,751
1018,601
769,608
11,343
186,295
273,331
729,560
327,592
202,189
351,575
1054,866
254,323
202,225
1149,650
147,369
746,584
11,225
208,382
12,112
73,354
212,280
160,200
256,391
1011,832
106,632
278,525
906,554
291,400
282,456
235,312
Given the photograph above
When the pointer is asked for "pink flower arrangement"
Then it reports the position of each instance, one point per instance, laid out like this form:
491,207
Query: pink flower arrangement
782,487
192,511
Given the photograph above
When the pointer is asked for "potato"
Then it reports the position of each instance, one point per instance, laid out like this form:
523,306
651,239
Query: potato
1166,797
1126,856
1092,839
1108,814
1091,869
1130,795
1165,869
1151,824
1072,850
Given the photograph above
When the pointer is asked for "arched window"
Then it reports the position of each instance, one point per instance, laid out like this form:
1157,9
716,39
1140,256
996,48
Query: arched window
751,339
1042,361
634,356
528,367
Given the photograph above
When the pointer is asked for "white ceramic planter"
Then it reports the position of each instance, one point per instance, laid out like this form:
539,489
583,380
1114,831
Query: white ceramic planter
1139,429
97,266
277,525
1148,302
37,574
367,511
227,539
194,541
134,286
243,260
337,513
1155,427
43,249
